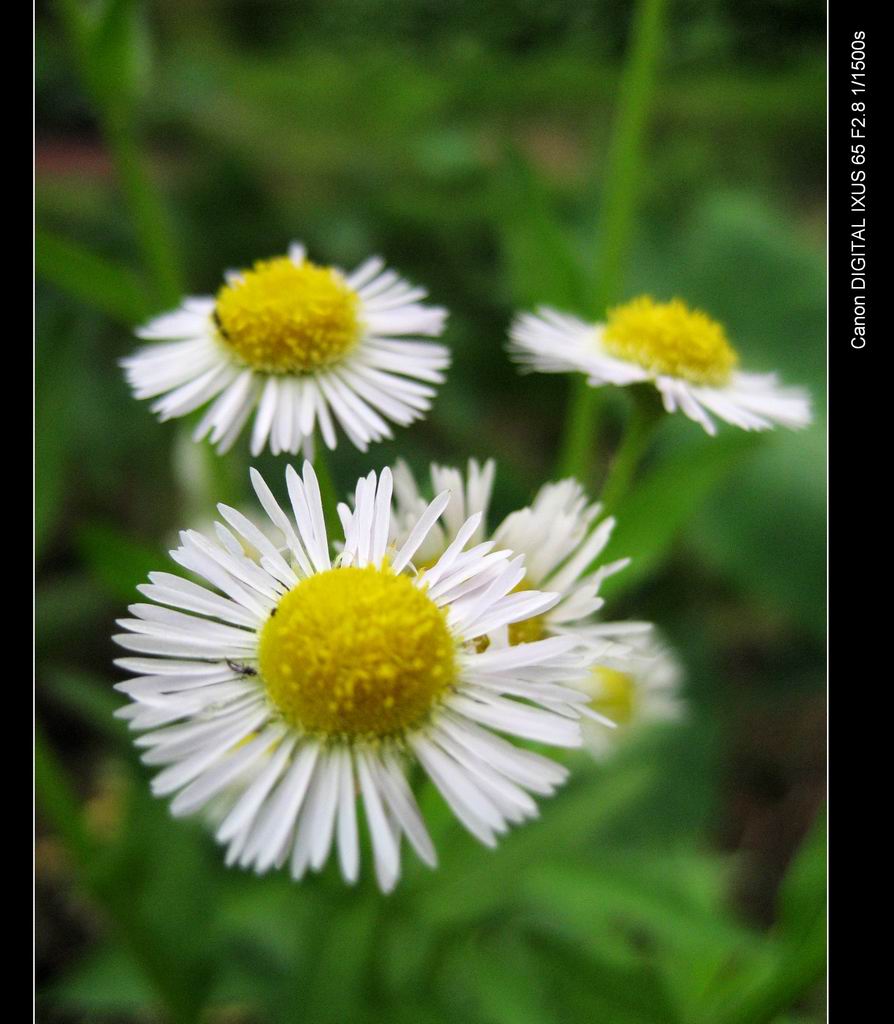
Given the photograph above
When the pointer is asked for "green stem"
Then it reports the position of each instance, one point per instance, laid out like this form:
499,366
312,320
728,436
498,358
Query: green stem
578,439
328,491
117,123
617,210
147,211
639,430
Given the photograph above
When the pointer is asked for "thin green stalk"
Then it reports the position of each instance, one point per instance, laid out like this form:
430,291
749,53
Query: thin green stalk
579,437
116,114
644,417
328,492
147,211
617,210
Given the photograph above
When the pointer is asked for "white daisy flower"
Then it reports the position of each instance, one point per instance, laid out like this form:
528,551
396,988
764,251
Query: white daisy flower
469,495
290,683
306,346
559,535
683,352
641,688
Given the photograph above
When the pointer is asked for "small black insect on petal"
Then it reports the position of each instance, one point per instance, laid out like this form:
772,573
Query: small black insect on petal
240,668
215,316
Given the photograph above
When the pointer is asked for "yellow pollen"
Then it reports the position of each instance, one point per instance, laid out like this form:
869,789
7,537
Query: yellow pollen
615,695
280,317
528,630
670,338
356,653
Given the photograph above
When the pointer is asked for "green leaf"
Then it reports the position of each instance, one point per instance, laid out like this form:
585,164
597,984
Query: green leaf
654,514
494,984
802,895
793,959
152,883
339,990
592,988
653,898
771,984
474,882
91,279
157,880
105,982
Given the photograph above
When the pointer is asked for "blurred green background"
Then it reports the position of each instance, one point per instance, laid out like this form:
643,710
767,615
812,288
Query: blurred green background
682,882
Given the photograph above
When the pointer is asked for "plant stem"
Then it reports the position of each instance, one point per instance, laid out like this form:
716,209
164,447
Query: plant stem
579,434
639,429
147,211
328,491
617,209
117,122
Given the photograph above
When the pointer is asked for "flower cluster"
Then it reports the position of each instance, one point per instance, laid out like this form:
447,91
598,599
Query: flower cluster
291,676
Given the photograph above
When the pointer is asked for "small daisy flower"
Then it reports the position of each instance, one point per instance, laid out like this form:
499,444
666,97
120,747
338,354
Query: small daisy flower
644,687
682,351
300,345
469,495
559,534
289,685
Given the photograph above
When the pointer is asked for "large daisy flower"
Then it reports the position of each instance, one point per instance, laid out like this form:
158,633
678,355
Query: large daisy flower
305,346
682,351
560,534
641,688
288,683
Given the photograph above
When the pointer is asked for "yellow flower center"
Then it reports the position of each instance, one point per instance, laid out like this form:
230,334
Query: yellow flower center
615,695
670,338
528,630
356,653
280,317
